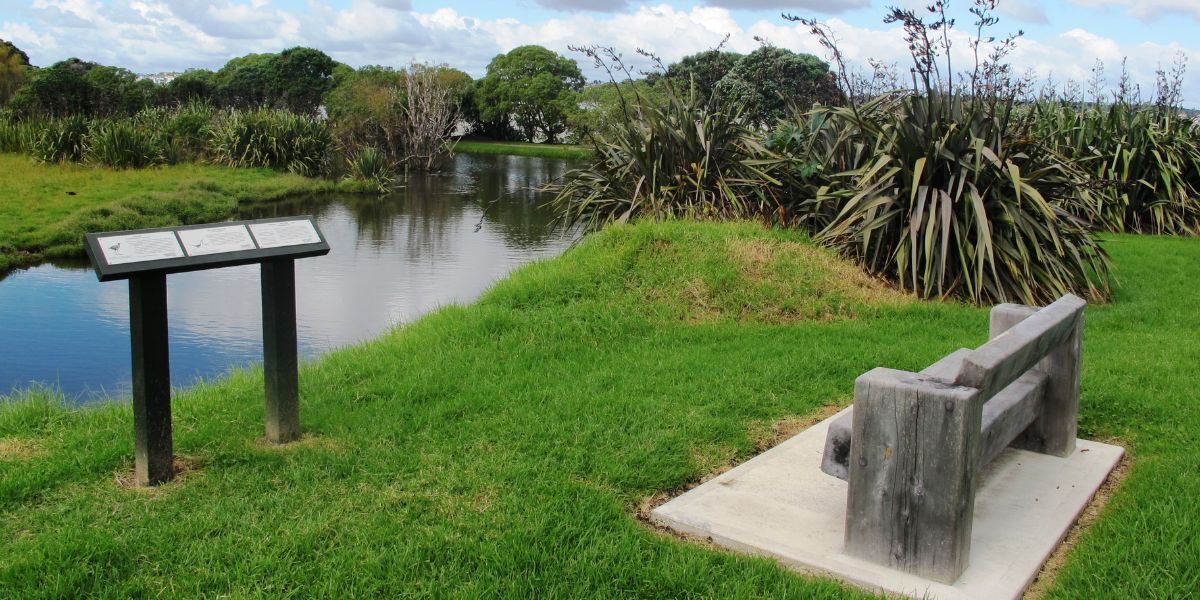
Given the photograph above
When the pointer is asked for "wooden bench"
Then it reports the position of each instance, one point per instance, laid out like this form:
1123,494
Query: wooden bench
914,443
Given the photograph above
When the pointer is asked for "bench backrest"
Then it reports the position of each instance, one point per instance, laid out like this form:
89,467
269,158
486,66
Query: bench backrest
996,364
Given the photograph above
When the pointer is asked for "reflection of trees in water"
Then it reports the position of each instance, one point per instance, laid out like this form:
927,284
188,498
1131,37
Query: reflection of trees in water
308,204
419,217
431,207
507,188
525,224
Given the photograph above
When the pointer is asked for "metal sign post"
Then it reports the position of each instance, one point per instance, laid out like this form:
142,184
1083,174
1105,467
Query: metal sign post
145,257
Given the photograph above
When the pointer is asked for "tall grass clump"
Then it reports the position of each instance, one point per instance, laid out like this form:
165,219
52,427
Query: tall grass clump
123,144
371,165
942,189
18,136
271,138
683,157
1144,162
183,131
61,140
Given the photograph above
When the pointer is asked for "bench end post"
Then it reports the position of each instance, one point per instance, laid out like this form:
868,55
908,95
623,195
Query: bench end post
913,463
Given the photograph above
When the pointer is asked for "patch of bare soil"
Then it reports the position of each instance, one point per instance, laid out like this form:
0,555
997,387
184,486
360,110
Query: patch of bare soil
184,467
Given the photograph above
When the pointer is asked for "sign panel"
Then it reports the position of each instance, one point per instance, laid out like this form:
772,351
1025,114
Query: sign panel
277,234
140,247
215,240
125,254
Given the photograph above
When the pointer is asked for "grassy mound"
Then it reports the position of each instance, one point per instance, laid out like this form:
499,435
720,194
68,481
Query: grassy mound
503,448
676,271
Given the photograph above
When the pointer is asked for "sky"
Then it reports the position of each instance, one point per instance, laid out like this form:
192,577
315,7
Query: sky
1063,38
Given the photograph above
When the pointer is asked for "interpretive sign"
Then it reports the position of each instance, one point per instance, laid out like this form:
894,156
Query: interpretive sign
145,257
139,247
276,234
122,254
215,240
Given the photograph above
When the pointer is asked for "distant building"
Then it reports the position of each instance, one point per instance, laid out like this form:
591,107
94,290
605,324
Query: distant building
159,78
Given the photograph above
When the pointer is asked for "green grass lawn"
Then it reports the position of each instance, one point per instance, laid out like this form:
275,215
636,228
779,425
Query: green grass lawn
522,149
504,448
46,208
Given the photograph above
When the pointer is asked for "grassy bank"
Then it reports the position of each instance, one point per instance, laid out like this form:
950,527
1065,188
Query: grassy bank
522,149
503,448
46,208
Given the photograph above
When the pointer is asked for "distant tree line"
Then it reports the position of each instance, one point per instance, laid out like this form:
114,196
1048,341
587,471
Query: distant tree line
528,94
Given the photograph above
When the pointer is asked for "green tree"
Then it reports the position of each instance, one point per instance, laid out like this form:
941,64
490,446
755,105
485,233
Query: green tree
192,85
365,109
116,91
769,80
603,106
244,81
56,91
704,68
298,78
14,70
532,88
407,114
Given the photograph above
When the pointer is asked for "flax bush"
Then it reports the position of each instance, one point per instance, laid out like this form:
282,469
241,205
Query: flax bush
61,140
1143,162
943,189
271,138
122,143
682,157
371,165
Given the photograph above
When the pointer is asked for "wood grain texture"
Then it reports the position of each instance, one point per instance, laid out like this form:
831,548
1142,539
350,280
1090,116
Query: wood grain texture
1007,414
835,459
912,477
996,364
1056,425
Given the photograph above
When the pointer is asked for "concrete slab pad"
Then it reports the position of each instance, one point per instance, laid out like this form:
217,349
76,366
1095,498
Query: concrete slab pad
781,504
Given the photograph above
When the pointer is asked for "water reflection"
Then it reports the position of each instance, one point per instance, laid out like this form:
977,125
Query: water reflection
392,259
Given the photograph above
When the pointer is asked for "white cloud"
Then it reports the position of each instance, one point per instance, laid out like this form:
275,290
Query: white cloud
1148,10
823,6
1023,10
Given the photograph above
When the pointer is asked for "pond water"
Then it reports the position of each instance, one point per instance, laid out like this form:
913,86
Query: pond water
443,239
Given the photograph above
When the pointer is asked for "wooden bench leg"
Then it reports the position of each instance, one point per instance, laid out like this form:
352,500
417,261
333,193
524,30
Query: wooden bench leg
912,473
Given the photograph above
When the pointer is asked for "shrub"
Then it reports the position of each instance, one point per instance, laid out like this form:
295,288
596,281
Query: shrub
122,143
61,140
271,138
19,136
943,189
371,165
186,132
1144,162
681,158
940,195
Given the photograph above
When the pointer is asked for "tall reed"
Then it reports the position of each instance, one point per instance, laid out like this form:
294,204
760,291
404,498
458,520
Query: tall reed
271,138
122,143
1142,162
